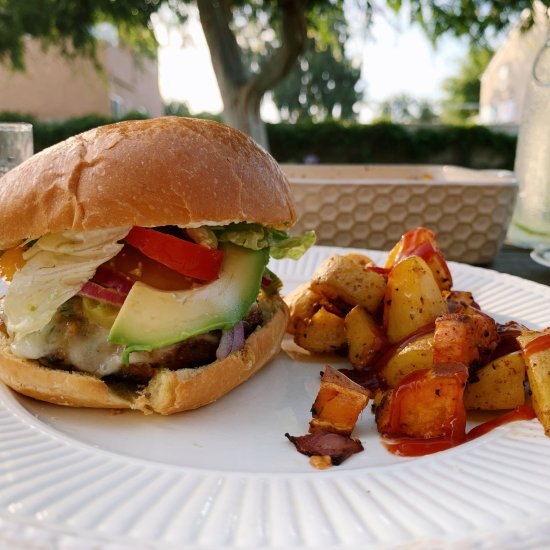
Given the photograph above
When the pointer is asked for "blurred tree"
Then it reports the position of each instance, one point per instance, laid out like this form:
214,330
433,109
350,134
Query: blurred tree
177,108
405,109
462,91
323,83
479,20
319,86
283,25
427,114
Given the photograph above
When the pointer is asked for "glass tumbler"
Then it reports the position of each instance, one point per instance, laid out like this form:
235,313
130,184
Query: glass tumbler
530,225
16,144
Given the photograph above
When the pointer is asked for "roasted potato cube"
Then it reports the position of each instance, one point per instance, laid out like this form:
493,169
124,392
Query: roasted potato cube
421,242
413,356
498,385
345,278
365,337
338,404
412,299
359,259
324,332
302,303
464,339
536,353
425,404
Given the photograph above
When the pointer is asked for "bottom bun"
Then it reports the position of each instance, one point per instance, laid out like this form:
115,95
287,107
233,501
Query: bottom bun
168,391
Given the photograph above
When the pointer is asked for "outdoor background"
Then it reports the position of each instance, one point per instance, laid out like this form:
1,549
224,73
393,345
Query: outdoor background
334,81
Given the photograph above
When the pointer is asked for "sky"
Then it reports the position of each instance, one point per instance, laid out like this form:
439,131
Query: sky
395,59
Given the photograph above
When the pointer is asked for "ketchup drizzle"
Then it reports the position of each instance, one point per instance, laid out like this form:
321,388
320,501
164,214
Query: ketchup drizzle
419,242
420,447
540,343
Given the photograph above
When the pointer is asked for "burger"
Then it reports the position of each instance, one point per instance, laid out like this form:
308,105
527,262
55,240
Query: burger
133,266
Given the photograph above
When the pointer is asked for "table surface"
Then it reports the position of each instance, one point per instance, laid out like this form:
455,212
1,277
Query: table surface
517,261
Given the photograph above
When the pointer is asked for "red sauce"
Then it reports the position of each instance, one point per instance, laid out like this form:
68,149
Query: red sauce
420,447
523,412
541,343
425,250
412,240
380,270
420,242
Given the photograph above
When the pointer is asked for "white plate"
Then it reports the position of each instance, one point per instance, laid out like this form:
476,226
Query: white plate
225,476
541,255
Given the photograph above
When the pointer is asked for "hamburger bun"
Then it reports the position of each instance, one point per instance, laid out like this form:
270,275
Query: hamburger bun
164,171
149,173
168,391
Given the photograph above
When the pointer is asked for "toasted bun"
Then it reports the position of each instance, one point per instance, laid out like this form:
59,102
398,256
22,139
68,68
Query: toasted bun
164,171
168,391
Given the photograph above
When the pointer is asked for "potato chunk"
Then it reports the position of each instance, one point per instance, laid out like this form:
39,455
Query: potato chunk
338,404
413,356
464,339
302,303
346,278
536,352
498,385
412,299
425,404
365,338
421,242
324,332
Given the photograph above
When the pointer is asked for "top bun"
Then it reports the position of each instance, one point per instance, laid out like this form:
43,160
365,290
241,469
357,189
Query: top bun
163,171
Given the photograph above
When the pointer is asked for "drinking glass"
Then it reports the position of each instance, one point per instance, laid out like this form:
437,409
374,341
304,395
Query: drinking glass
16,144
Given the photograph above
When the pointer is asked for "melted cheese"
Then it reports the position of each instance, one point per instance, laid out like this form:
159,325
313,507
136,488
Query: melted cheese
87,350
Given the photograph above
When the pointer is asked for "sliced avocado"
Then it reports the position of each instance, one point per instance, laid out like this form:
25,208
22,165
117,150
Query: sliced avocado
152,318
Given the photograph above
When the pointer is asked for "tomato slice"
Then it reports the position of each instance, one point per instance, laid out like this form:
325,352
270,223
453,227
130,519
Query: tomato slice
187,258
132,264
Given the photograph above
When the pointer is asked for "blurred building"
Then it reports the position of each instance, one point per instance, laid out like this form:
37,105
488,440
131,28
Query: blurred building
54,87
504,81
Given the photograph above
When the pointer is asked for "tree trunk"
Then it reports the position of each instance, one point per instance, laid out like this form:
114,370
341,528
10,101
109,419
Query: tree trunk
242,92
242,111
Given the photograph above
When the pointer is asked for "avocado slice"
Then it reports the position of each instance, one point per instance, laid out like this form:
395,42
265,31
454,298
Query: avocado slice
152,318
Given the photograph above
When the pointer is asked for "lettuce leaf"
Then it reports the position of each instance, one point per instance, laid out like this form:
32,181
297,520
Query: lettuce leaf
56,267
255,236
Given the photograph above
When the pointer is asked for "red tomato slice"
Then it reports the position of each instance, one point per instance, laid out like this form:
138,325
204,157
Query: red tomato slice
187,258
136,266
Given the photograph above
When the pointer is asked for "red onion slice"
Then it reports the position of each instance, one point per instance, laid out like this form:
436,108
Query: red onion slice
102,294
232,340
110,278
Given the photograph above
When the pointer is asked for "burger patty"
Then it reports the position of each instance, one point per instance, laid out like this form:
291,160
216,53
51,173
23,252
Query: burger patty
70,341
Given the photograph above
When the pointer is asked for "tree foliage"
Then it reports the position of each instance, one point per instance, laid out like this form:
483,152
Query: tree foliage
69,25
462,91
277,31
319,86
404,109
480,20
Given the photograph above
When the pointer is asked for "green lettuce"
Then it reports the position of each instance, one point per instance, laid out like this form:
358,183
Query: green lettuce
255,236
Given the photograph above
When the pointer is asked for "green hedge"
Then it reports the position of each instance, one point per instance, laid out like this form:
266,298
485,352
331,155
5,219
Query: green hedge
331,142
334,142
